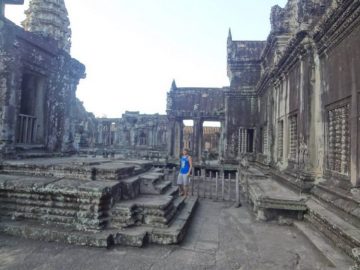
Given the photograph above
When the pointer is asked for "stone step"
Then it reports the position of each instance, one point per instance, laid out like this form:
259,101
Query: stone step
158,170
36,200
30,147
339,199
151,178
56,233
42,210
172,191
166,220
121,222
124,215
134,236
161,221
344,235
130,188
74,203
175,233
145,209
114,170
294,183
163,186
160,202
149,182
335,257
33,154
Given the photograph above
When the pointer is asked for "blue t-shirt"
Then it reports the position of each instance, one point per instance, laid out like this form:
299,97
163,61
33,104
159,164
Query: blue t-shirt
185,165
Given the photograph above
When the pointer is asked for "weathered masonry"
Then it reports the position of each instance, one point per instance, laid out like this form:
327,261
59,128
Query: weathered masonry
292,110
292,103
133,131
309,92
38,80
199,105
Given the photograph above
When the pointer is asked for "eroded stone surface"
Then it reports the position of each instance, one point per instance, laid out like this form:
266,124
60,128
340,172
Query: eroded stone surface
221,237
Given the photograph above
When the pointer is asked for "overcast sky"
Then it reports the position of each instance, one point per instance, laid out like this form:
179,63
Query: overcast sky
133,49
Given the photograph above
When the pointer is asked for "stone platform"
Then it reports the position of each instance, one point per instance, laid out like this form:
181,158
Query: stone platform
76,167
90,201
269,198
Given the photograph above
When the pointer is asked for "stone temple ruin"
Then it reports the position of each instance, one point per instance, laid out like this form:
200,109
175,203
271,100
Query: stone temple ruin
288,144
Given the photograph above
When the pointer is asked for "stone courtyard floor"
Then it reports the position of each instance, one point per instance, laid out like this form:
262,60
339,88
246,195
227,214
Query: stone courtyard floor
220,237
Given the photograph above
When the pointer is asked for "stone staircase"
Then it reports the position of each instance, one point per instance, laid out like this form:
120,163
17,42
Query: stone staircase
336,213
332,214
94,202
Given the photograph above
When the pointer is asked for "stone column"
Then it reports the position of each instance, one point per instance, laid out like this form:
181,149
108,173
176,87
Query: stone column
2,8
317,135
132,137
305,136
354,132
171,137
222,141
286,92
10,81
178,138
197,138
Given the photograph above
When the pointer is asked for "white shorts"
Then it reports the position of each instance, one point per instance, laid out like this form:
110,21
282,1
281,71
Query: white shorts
183,179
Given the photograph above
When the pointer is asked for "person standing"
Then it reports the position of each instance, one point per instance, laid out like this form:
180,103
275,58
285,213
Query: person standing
184,174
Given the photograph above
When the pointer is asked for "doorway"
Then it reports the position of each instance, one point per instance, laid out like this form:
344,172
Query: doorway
31,118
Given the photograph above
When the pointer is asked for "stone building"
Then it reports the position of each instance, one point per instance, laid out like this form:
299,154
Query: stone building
199,105
133,131
38,80
308,93
292,102
292,109
210,141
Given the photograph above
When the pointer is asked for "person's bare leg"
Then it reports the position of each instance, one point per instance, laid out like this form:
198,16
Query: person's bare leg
181,190
185,190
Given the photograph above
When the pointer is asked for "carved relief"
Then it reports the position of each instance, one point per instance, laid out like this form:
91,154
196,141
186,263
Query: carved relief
242,140
338,137
293,138
280,146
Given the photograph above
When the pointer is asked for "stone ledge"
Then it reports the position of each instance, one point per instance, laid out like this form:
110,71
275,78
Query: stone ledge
334,256
345,235
42,232
270,199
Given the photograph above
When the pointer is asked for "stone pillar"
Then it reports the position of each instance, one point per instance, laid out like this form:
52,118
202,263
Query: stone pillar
285,84
222,141
132,137
178,141
354,132
197,138
305,137
317,135
2,8
9,97
171,137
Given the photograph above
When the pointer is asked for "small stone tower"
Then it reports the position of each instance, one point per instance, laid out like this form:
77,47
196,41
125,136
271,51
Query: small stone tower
49,18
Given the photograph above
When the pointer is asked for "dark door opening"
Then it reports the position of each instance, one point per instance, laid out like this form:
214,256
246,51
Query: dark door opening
31,119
